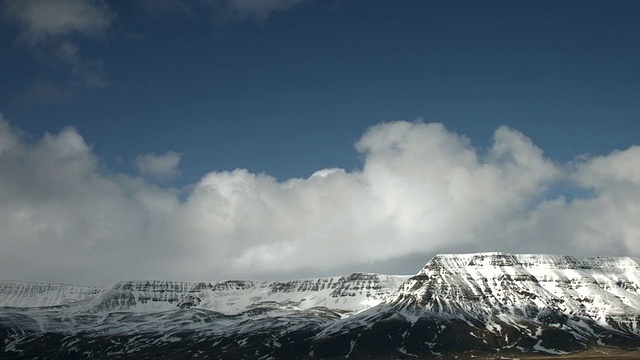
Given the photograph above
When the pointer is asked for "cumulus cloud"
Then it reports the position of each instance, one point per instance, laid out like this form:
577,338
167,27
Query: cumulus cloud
160,166
421,189
53,29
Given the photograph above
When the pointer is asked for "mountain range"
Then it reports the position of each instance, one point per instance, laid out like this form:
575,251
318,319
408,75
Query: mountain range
457,306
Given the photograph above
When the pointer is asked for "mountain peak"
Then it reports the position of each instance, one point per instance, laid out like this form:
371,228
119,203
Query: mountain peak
486,283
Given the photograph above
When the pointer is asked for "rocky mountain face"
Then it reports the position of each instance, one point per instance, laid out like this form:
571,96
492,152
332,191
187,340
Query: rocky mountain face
457,306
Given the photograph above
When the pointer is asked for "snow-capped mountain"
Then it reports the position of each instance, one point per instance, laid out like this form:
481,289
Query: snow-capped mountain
153,314
456,306
495,302
349,293
521,285
32,294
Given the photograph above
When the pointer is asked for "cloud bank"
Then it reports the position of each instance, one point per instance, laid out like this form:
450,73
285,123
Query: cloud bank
421,189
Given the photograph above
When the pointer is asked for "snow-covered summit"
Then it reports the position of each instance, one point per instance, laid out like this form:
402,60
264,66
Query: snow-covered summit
523,285
541,261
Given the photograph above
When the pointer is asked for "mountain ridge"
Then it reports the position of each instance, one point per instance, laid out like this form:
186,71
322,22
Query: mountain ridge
479,304
366,289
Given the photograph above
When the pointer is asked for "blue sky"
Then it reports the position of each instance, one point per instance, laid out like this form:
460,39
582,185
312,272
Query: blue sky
292,94
165,93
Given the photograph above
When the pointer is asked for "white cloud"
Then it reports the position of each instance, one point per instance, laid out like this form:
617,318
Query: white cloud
222,12
421,189
42,20
258,10
163,7
160,166
52,28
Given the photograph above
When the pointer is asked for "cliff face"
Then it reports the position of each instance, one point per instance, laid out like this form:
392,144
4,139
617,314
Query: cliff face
354,292
32,294
487,304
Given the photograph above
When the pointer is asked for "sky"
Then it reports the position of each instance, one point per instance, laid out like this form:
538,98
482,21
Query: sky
279,139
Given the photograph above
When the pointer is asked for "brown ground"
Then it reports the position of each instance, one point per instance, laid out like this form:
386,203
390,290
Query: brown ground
588,356
592,354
